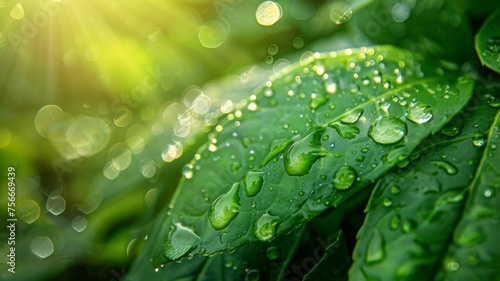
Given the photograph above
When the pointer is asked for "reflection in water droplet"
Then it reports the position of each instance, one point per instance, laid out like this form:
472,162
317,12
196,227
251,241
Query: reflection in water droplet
180,241
304,152
449,168
265,227
352,116
376,248
344,177
252,183
268,13
387,130
478,140
225,208
212,34
56,205
340,12
17,12
493,44
28,211
79,224
419,112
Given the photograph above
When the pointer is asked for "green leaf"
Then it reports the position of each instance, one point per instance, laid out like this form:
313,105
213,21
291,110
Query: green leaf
317,134
474,253
413,211
487,42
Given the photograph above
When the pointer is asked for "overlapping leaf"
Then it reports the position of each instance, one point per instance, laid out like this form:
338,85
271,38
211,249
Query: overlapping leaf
308,140
412,213
488,42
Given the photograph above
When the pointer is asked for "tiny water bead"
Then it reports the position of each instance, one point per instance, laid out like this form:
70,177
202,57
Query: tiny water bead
344,178
419,112
493,44
265,227
225,208
180,241
388,130
252,183
304,152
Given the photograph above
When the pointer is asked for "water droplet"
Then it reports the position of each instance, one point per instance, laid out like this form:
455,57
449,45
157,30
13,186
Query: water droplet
346,131
304,152
340,12
180,241
252,275
478,140
265,227
252,183
17,12
268,13
376,248
56,205
344,177
469,235
42,247
352,116
387,130
408,226
453,128
395,190
377,79
449,168
272,253
277,147
225,208
318,101
494,102
387,202
419,112
394,223
493,44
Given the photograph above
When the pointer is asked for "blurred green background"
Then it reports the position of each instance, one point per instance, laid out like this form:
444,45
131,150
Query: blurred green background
101,103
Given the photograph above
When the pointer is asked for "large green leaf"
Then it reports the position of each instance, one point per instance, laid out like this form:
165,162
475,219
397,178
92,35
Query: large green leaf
488,42
309,139
413,211
475,252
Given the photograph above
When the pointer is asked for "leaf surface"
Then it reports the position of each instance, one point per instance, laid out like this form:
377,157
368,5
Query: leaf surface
414,210
487,42
308,140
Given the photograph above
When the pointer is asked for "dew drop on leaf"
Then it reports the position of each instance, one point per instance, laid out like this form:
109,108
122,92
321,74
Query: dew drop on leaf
375,252
344,177
352,116
252,275
225,208
252,183
419,112
277,146
470,235
387,130
180,241
346,131
318,101
265,227
272,253
493,44
304,152
478,140
449,168
408,226
395,190
394,223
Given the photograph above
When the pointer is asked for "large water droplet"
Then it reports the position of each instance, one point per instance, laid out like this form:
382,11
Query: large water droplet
470,235
453,128
277,147
304,152
449,168
340,12
346,131
225,208
419,112
387,130
252,183
375,252
352,116
344,177
180,241
265,227
493,44
318,101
